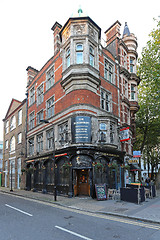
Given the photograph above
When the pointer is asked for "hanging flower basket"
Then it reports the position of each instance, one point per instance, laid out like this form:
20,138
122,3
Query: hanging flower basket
98,165
66,165
113,166
125,167
23,170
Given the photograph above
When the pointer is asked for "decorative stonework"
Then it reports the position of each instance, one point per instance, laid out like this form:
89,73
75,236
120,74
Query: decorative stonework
67,33
92,32
79,29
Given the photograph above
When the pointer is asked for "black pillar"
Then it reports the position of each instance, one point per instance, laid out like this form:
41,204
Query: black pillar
34,180
91,181
44,190
70,192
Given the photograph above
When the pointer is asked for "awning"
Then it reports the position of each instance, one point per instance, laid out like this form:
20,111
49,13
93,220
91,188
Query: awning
134,167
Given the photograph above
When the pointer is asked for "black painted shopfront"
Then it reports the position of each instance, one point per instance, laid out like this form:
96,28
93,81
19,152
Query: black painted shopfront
77,170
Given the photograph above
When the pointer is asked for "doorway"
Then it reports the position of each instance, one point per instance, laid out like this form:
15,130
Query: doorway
82,186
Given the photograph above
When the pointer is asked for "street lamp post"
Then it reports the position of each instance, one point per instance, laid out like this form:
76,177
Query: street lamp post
54,162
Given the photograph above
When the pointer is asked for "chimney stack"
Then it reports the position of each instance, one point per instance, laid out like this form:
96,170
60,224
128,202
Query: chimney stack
112,37
57,42
31,73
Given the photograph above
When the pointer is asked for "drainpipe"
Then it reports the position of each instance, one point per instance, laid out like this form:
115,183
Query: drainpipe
26,127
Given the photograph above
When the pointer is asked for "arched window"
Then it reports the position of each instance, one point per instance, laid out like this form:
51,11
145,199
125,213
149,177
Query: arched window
12,144
13,123
79,53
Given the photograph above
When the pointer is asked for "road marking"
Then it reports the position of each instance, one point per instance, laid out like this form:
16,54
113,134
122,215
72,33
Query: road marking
19,210
73,233
155,226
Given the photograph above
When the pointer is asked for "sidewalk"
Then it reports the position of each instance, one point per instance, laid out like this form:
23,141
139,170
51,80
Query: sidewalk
146,211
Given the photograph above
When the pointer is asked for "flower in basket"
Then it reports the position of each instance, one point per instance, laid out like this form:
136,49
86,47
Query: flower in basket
98,165
66,165
125,167
113,165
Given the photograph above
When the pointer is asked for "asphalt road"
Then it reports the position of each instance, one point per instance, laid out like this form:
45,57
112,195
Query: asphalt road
23,219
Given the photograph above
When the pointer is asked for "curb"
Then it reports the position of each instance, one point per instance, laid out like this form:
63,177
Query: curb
80,209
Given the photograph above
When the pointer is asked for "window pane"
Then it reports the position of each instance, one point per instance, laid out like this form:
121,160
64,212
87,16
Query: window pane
79,57
103,126
79,47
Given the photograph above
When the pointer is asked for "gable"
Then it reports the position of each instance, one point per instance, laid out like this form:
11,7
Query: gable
12,107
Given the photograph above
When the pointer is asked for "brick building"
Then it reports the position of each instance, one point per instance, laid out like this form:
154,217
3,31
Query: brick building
14,145
87,94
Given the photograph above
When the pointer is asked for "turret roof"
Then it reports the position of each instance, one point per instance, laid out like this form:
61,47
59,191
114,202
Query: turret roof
126,30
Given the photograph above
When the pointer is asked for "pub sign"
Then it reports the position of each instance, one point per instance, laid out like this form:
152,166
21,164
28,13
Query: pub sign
81,129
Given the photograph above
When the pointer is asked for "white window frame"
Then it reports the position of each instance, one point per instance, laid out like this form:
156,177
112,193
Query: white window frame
20,117
112,132
50,78
31,146
19,138
40,143
105,100
40,116
91,56
31,120
40,94
79,53
6,144
108,71
13,123
63,133
49,139
7,127
102,132
50,108
133,92
131,62
12,144
31,96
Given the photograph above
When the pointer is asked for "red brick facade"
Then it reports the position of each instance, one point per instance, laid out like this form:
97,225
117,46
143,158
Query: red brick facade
83,79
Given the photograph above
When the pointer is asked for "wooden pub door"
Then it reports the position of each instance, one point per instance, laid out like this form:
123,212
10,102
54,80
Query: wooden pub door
83,187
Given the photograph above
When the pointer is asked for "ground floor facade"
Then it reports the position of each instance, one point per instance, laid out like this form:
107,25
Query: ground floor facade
76,170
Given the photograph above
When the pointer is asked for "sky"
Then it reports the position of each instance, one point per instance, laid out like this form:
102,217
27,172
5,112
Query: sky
26,38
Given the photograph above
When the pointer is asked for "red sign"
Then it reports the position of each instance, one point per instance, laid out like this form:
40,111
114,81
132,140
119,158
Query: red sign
124,134
60,155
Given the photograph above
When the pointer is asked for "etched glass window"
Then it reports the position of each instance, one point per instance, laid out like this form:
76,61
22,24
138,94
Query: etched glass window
102,132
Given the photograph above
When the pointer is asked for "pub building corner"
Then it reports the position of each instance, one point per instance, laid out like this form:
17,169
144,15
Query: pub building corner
78,167
87,96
